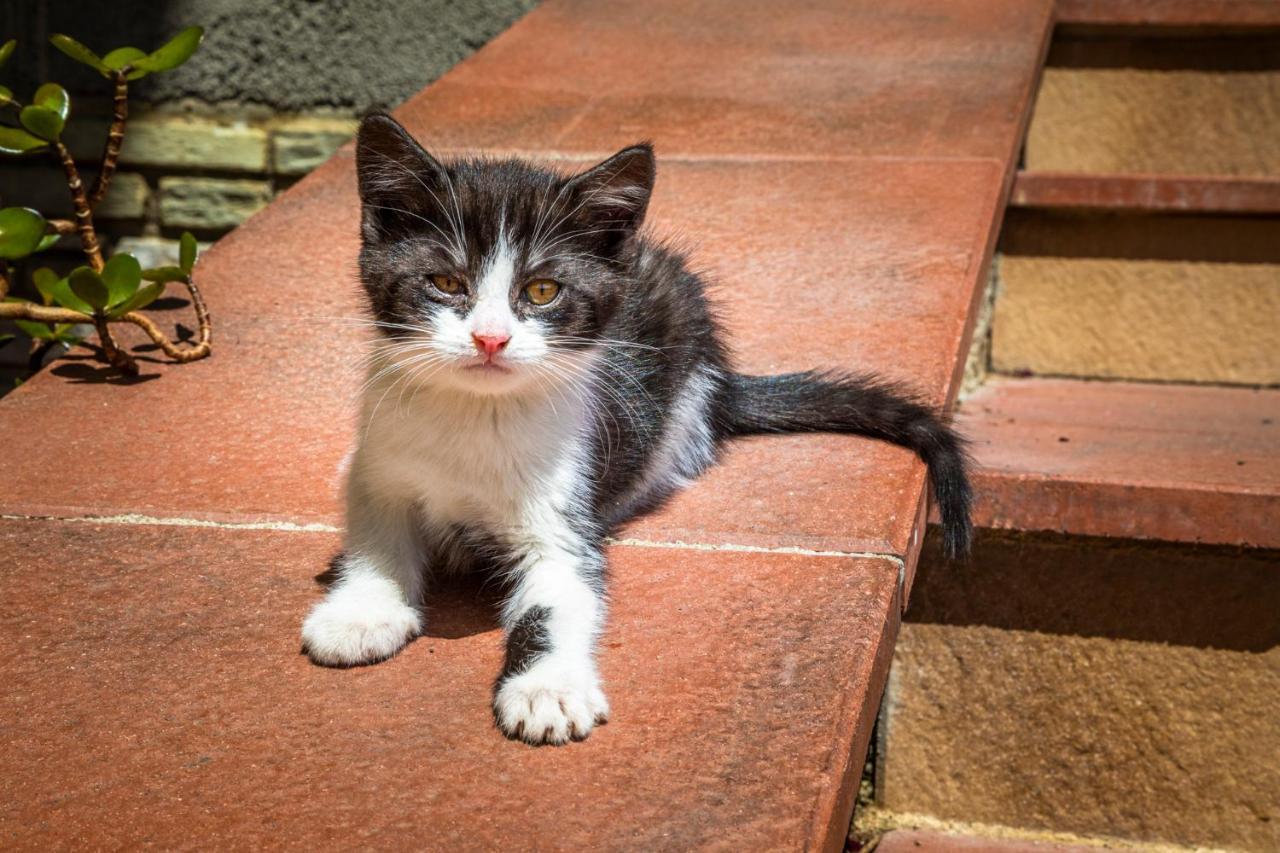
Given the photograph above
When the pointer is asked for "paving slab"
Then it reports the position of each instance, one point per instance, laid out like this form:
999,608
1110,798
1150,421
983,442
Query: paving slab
155,695
873,268
1181,463
820,78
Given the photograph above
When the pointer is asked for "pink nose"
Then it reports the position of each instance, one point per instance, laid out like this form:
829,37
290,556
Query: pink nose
490,345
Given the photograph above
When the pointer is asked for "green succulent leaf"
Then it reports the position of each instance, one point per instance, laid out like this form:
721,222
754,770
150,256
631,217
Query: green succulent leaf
6,50
4,339
90,287
47,240
45,280
187,251
21,230
78,52
175,52
122,275
64,296
32,329
15,140
54,97
122,56
164,274
6,95
146,294
43,122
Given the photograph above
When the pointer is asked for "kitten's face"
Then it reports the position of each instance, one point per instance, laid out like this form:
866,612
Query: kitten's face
492,277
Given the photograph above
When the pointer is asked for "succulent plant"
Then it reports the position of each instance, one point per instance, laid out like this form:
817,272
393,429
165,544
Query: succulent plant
101,292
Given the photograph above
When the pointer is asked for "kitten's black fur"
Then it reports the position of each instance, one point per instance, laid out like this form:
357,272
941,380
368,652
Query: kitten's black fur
621,286
535,424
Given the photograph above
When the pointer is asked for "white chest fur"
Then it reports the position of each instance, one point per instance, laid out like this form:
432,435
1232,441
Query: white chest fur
500,462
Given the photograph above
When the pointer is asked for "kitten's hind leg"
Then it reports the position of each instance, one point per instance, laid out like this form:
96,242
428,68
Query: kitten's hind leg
370,611
549,690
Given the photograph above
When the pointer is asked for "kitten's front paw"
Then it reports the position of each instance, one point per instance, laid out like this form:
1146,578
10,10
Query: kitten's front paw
354,626
549,704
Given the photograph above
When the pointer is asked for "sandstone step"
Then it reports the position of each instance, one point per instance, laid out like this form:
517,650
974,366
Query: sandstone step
1145,461
925,841
753,618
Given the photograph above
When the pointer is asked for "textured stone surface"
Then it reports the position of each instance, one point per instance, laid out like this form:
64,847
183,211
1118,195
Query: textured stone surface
1123,318
41,186
289,55
1136,120
744,674
1127,460
126,198
160,696
210,203
944,78
1136,698
917,841
299,145
905,266
177,141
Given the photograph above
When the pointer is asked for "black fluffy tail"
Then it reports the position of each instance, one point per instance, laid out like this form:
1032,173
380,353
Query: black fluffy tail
826,402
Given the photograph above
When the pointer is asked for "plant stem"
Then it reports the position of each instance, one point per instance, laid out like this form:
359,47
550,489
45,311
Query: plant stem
115,138
52,314
4,280
84,215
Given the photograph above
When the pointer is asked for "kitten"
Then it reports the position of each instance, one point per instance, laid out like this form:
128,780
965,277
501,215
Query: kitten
544,373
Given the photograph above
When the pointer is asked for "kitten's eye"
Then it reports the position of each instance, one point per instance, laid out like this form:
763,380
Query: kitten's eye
542,291
445,284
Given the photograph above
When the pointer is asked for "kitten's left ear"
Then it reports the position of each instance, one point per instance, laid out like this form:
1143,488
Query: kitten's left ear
615,194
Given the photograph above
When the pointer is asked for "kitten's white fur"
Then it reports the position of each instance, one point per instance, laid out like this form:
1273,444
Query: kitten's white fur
440,449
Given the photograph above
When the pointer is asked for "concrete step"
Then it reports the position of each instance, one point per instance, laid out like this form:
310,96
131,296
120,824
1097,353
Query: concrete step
1130,460
752,619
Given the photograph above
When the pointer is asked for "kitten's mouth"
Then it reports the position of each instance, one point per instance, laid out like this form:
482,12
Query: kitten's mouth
487,367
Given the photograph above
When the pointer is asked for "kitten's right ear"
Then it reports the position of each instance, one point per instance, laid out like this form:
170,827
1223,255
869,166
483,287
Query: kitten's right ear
397,177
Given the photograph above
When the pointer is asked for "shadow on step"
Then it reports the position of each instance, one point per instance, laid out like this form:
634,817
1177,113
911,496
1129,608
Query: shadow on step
460,605
1201,596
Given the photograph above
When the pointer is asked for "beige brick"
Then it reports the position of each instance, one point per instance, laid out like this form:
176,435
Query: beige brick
1123,318
1140,120
126,198
210,203
45,190
177,142
299,145
1100,690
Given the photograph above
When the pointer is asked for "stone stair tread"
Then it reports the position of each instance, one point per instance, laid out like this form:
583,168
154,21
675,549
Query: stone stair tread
180,697
1147,193
714,78
288,349
1181,463
1186,15
926,841
160,696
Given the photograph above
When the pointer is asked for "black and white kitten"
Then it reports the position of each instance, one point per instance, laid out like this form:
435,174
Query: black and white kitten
544,373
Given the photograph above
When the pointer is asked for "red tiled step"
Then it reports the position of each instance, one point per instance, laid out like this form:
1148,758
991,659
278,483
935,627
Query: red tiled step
839,169
155,695
1180,14
257,432
921,841
734,78
1173,462
1147,193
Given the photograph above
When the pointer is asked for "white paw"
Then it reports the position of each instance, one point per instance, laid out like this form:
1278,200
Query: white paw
359,623
550,703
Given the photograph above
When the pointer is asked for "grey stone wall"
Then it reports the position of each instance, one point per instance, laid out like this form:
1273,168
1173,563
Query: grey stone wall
293,55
